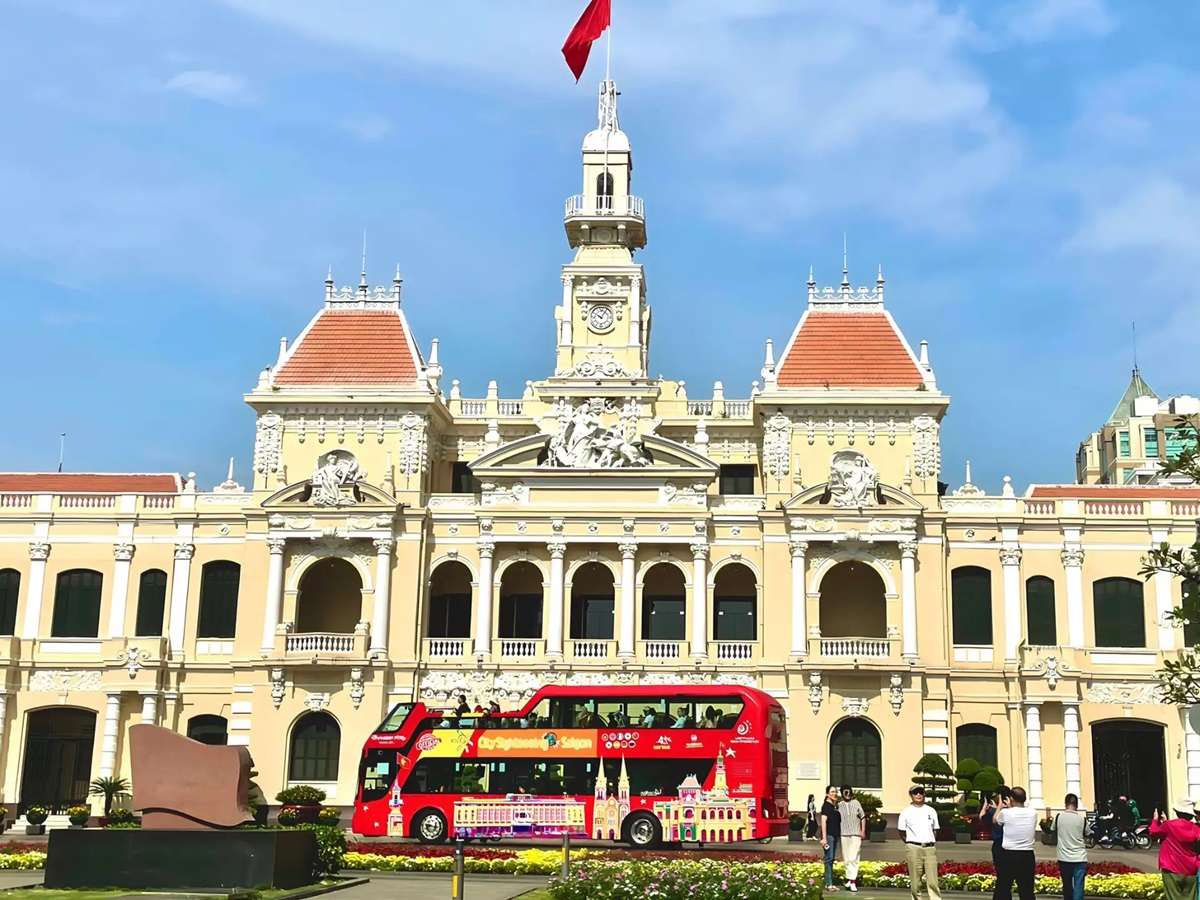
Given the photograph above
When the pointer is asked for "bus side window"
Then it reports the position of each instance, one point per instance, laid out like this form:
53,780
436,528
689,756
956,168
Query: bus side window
377,773
682,714
662,777
612,714
430,776
579,776
470,778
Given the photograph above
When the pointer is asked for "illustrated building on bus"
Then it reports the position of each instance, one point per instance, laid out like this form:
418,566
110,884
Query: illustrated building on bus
706,816
609,812
519,815
395,821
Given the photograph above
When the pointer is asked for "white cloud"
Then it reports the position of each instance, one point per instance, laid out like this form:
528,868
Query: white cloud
368,128
1039,20
1157,214
219,87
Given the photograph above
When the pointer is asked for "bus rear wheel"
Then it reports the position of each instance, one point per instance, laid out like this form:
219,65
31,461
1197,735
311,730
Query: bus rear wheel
642,831
429,827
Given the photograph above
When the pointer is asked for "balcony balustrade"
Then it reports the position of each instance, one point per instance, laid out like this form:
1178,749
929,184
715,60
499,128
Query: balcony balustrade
663,649
447,648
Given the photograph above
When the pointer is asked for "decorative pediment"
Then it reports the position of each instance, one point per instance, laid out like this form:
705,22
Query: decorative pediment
889,501
362,496
658,456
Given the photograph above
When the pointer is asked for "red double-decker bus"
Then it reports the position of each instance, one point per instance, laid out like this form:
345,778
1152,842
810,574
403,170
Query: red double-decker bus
644,765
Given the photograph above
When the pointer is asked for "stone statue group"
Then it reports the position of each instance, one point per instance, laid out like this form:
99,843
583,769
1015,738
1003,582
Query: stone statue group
585,443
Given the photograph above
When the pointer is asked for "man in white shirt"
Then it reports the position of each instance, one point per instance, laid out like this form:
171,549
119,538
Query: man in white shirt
918,825
1016,855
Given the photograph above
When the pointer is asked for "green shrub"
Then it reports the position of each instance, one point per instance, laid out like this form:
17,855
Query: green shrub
328,816
36,815
685,879
302,794
933,773
78,815
120,816
971,807
331,847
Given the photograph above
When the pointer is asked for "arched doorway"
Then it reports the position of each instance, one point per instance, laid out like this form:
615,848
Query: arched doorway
315,746
852,602
1129,757
856,755
208,729
592,603
664,604
735,602
449,602
330,598
58,758
520,613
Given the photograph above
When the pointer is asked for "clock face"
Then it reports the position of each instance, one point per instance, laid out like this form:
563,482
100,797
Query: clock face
600,318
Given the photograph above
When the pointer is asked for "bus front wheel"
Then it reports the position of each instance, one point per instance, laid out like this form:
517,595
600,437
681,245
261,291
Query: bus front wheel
642,831
429,827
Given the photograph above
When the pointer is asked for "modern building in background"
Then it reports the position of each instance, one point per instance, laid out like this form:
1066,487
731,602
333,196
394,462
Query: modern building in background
398,540
1142,433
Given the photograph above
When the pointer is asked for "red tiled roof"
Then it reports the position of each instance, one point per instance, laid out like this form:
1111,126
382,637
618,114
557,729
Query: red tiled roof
858,349
84,482
352,346
1116,492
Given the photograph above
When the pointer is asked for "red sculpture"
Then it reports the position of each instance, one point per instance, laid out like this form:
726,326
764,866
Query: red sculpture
181,783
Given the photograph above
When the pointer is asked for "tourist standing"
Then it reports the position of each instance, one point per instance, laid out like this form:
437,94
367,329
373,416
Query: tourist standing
812,829
1001,799
854,829
918,825
1070,825
1177,856
831,832
1016,856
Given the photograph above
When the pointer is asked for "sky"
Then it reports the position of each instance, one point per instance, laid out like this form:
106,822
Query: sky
178,175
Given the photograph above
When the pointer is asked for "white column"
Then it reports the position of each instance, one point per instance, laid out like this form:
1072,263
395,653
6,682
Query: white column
483,606
1033,743
3,723
700,600
908,599
180,576
1072,560
1191,749
108,747
799,599
1071,747
381,614
122,556
38,551
1164,605
1010,566
274,604
626,616
149,707
554,627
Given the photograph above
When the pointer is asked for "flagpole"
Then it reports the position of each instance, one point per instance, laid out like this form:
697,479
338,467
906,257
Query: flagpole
608,46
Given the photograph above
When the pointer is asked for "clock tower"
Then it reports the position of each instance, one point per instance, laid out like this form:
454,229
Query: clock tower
603,323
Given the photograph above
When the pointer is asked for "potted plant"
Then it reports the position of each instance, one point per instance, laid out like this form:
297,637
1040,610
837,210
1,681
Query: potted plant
933,773
327,815
78,816
120,817
288,816
876,828
796,823
304,799
962,829
109,788
35,819
1049,837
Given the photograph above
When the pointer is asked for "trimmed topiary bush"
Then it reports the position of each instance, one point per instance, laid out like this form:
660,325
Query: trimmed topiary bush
301,795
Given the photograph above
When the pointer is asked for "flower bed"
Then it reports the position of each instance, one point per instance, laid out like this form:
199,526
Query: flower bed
1047,869
29,859
519,862
687,879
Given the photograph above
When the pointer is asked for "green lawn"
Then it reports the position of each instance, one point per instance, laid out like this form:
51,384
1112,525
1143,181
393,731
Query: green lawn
109,893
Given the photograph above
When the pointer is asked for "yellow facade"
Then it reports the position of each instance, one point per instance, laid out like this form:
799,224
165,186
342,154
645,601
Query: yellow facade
598,533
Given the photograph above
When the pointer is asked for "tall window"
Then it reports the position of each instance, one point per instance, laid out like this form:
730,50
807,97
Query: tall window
218,599
1123,443
316,743
77,604
663,604
10,590
208,730
1039,612
855,755
520,614
971,604
737,479
977,742
734,613
1150,440
152,600
592,608
1120,612
604,190
450,602
461,479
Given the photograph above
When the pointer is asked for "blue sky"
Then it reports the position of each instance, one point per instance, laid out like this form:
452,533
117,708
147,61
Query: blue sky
178,174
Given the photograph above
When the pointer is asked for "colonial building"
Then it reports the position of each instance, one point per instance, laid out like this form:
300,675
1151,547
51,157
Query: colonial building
396,540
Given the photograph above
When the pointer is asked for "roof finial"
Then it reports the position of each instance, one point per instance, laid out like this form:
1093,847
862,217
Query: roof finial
968,481
879,277
1133,332
362,281
811,280
845,261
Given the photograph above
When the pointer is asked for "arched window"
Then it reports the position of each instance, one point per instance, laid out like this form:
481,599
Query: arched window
978,742
450,602
735,617
1040,625
1120,612
152,600
208,730
971,605
604,190
856,754
316,743
10,590
520,602
330,598
663,604
1191,605
592,608
218,599
853,601
77,604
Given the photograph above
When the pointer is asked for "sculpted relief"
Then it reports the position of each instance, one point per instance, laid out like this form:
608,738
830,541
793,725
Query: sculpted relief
584,442
335,480
853,481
